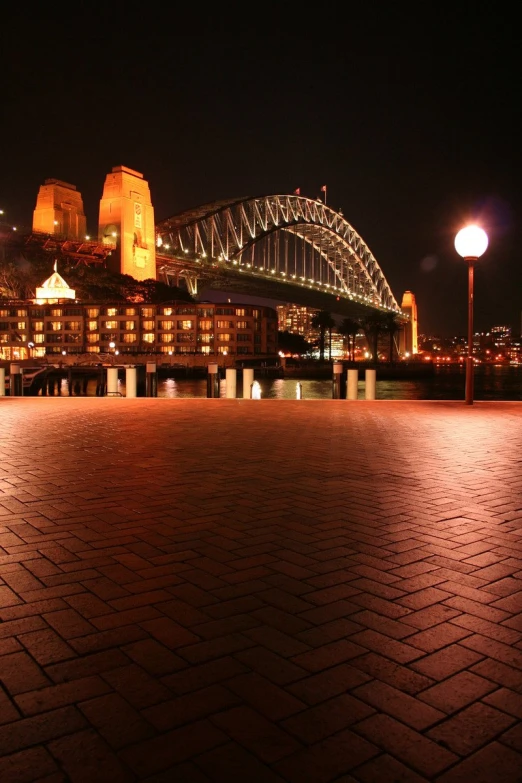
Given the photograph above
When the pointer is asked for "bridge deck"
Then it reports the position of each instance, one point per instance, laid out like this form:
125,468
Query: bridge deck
222,590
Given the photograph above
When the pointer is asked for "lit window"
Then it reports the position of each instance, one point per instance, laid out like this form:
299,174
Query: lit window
129,325
129,338
112,311
93,312
167,326
147,312
205,325
38,326
240,311
92,338
185,325
148,337
54,326
92,325
148,325
56,312
110,324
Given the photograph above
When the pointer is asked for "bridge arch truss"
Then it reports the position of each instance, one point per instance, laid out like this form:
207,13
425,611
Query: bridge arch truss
289,239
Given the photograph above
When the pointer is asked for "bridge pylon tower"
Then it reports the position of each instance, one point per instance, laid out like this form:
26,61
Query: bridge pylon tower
126,219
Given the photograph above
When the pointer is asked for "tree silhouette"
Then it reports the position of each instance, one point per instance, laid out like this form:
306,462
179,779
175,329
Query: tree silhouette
393,324
349,328
293,343
325,323
373,326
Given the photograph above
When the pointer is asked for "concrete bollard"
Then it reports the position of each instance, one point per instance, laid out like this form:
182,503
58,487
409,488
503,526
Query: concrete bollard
112,380
2,381
213,381
131,382
151,383
231,382
353,384
370,378
16,383
337,392
248,380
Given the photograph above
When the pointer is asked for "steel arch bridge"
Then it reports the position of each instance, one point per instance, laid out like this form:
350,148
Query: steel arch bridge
286,247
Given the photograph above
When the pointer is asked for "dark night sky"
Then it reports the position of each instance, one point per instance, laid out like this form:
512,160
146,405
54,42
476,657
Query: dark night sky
412,122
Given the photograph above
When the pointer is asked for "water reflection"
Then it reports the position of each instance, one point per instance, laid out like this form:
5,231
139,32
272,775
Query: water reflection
491,383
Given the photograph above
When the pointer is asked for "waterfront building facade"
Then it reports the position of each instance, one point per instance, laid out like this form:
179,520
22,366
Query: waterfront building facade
29,330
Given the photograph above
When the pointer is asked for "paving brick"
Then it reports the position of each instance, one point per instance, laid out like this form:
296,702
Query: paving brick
386,768
46,646
444,663
457,691
331,682
39,729
409,710
499,651
55,696
8,711
317,723
83,667
26,766
506,700
19,673
493,763
471,728
190,707
232,762
499,673
410,747
165,751
118,723
401,677
325,761
134,684
85,756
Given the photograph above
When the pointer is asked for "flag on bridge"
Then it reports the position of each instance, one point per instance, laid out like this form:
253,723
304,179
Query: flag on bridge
297,192
323,189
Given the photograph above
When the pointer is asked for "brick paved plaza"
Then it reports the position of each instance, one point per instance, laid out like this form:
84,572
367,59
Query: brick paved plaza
260,591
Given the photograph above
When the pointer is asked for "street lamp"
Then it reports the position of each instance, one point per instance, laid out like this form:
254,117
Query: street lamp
470,243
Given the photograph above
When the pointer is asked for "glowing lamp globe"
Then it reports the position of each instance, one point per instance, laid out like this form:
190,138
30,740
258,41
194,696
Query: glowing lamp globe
471,242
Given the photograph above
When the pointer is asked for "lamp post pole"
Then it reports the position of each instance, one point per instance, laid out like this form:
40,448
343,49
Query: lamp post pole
470,243
469,360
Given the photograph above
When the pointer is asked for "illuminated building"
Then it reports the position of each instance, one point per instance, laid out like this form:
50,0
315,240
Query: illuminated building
59,210
32,330
54,290
126,219
408,341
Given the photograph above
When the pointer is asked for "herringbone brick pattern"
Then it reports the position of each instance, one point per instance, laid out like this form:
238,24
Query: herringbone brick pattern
260,591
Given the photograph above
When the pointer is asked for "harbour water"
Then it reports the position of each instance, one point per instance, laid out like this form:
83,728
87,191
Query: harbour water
492,382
